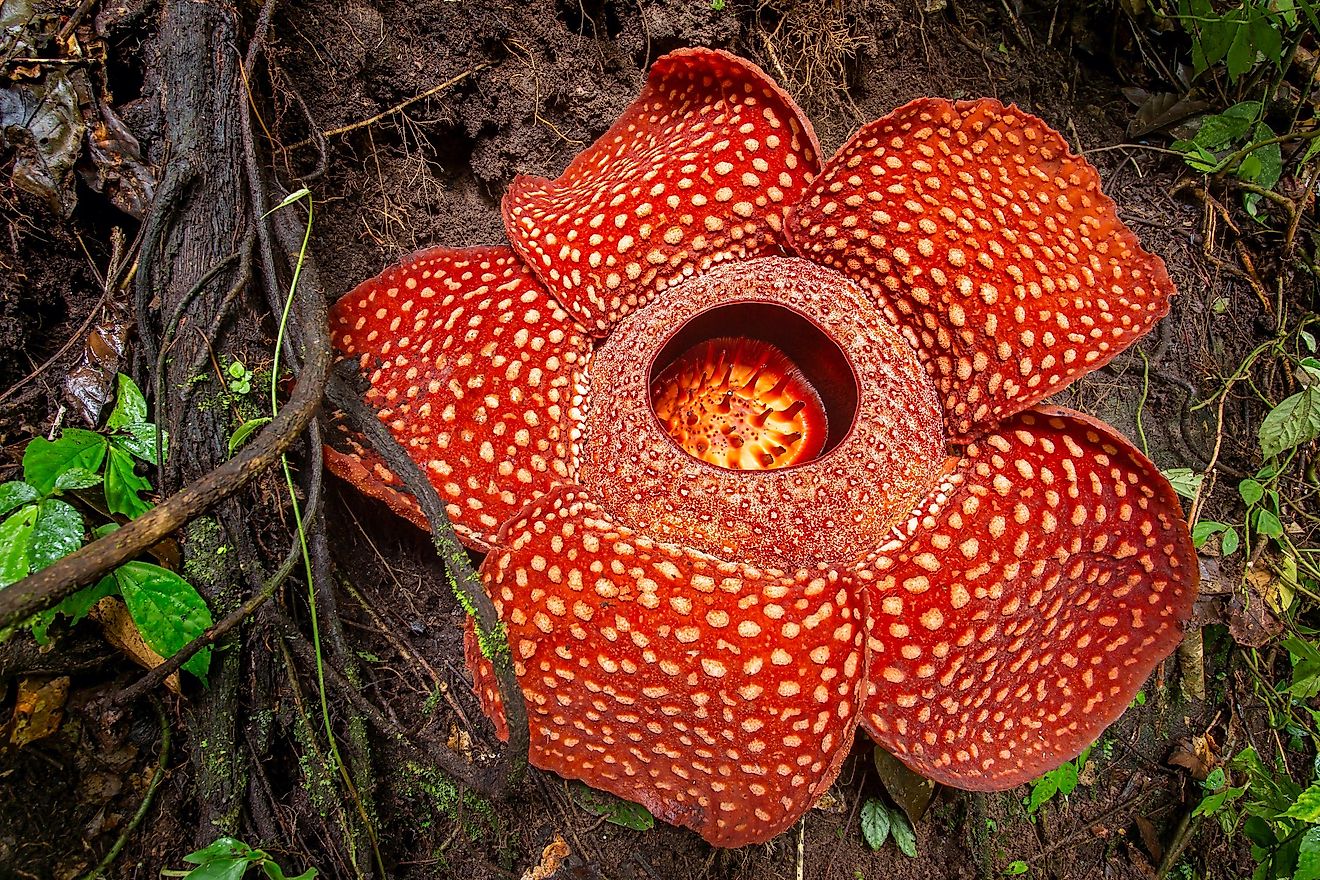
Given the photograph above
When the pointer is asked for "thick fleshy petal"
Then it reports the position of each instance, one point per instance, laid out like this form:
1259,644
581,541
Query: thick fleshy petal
1027,601
479,374
484,681
697,171
990,245
720,696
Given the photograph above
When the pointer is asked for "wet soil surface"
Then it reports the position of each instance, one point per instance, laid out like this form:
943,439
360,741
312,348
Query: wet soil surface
521,88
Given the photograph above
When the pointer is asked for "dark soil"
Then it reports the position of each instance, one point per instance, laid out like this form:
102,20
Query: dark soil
537,80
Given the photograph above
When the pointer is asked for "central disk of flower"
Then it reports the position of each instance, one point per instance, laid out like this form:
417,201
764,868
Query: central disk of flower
740,404
762,410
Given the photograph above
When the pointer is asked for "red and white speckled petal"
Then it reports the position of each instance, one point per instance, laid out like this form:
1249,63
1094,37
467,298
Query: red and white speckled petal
990,245
480,375
484,681
720,696
1025,603
697,171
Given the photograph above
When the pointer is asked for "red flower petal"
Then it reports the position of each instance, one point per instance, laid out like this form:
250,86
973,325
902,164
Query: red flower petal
479,374
484,681
720,696
990,244
1040,585
698,170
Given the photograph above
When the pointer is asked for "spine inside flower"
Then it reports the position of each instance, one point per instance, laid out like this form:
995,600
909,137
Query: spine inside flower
740,404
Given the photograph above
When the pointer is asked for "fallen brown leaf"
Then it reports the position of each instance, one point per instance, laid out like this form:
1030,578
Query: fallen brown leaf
120,630
551,857
39,710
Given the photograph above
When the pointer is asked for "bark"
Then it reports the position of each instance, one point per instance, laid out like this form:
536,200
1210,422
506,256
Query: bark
199,220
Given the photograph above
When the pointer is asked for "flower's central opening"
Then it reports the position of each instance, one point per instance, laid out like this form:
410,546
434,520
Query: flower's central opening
776,394
741,404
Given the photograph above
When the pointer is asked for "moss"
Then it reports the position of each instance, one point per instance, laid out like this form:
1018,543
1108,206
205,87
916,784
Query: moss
317,770
207,563
446,800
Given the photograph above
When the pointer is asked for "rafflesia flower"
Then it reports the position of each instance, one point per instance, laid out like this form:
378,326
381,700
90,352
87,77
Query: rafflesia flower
757,452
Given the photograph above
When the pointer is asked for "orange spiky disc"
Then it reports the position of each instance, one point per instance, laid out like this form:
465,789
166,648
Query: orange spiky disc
740,404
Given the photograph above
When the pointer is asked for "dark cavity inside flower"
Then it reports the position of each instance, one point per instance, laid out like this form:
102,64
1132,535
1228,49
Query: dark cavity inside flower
757,450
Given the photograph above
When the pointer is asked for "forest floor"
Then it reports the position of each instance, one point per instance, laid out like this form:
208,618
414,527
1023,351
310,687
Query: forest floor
521,87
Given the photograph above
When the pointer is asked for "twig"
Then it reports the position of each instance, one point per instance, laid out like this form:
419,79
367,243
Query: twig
385,630
167,340
46,588
462,578
397,108
1181,837
162,760
445,760
1085,827
83,8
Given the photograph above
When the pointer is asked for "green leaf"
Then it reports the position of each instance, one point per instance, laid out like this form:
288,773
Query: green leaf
130,405
1217,132
875,823
16,544
1216,780
220,848
1305,682
1311,150
1204,530
1249,170
1293,422
1213,803
1241,53
76,478
1066,778
74,607
1308,856
1268,524
139,440
122,485
1229,543
220,869
1267,39
244,431
1271,158
1251,491
1247,111
1185,481
58,532
1041,791
1307,806
616,810
1015,868
1258,831
45,460
1216,38
903,834
168,611
14,493
291,198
